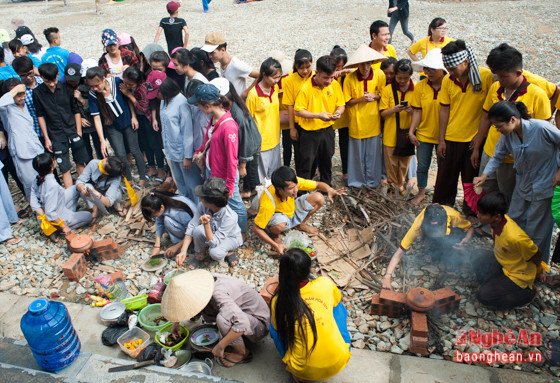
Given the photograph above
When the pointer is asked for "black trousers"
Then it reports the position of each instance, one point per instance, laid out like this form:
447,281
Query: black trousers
316,145
286,147
251,180
496,289
457,162
343,146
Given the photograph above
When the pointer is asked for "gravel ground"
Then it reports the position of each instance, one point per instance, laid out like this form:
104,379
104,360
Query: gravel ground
32,267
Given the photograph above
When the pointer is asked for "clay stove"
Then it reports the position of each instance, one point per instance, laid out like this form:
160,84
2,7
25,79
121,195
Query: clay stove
420,302
82,247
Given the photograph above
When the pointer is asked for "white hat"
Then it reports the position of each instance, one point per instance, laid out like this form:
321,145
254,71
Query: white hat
432,60
222,84
27,39
364,54
86,64
187,295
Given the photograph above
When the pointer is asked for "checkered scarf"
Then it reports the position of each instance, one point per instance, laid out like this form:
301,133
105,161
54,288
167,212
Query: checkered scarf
454,59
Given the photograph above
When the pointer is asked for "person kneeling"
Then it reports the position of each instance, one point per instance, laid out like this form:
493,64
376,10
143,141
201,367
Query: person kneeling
239,312
172,213
280,208
442,228
507,277
102,179
214,226
55,206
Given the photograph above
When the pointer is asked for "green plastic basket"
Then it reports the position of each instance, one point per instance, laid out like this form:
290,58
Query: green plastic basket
147,316
167,327
136,303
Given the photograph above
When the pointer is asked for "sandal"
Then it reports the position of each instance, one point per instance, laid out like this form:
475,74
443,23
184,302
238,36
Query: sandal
553,345
194,264
13,240
553,359
553,281
232,259
158,181
122,211
23,213
247,359
137,187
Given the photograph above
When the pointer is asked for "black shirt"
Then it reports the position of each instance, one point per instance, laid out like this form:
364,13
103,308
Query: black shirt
173,29
58,109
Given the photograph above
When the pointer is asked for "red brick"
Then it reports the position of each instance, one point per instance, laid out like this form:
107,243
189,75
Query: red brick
419,350
419,341
392,297
269,289
117,276
75,267
444,295
419,324
105,249
103,242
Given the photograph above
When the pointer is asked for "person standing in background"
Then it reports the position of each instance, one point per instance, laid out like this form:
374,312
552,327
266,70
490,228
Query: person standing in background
173,28
399,11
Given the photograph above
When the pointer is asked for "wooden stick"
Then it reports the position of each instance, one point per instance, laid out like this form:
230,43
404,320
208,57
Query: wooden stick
139,239
351,219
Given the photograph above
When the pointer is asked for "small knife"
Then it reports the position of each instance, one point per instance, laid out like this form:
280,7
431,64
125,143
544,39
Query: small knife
132,366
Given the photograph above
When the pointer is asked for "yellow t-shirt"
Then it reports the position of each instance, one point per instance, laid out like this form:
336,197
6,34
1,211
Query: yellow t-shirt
288,206
265,112
344,120
541,82
454,219
425,98
465,107
513,249
280,87
316,100
388,51
427,44
330,354
292,85
535,100
557,106
390,126
364,117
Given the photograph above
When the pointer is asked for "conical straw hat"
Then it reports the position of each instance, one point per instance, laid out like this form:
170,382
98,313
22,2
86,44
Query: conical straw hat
364,54
187,295
432,60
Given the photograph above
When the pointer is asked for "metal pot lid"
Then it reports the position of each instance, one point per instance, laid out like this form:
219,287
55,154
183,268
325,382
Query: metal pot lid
112,311
420,299
183,357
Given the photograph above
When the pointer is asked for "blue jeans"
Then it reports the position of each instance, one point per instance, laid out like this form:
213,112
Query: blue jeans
236,204
205,4
395,18
424,157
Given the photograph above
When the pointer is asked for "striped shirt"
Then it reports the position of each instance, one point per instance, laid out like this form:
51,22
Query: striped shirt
31,107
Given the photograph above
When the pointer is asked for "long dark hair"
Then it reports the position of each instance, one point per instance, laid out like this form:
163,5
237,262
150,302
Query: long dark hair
291,310
152,203
114,166
503,111
132,47
169,90
437,22
302,57
43,165
234,98
205,62
269,67
339,54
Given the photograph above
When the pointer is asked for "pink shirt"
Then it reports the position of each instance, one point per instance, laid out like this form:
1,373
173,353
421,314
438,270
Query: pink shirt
222,154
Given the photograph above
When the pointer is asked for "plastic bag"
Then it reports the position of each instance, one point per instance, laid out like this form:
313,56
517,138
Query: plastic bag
113,332
298,239
151,352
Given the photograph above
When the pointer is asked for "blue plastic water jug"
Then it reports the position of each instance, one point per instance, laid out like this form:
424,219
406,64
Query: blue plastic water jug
49,332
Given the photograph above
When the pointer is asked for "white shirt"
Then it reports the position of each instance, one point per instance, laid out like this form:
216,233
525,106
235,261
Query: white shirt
237,72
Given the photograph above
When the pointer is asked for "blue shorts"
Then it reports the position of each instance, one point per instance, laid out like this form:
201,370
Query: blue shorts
302,210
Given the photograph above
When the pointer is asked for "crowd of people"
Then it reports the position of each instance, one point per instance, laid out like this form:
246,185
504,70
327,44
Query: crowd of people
188,117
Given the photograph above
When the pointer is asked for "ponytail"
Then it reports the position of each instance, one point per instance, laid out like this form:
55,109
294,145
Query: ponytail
43,165
503,111
291,310
152,204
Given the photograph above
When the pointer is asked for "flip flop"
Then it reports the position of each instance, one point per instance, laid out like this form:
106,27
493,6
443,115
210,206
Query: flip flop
158,181
137,187
232,258
194,264
13,240
553,281
247,359
553,345
122,211
554,359
23,213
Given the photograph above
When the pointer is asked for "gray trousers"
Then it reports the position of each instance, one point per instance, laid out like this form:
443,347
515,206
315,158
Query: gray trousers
175,229
117,138
258,328
88,201
269,161
26,174
503,180
8,212
186,180
72,218
365,156
535,218
219,252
